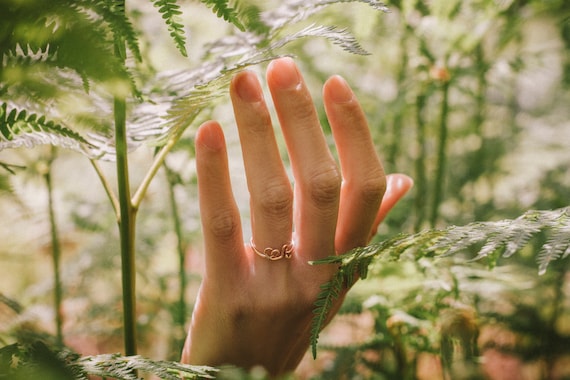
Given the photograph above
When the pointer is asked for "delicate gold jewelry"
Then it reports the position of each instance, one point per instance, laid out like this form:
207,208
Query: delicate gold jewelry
273,254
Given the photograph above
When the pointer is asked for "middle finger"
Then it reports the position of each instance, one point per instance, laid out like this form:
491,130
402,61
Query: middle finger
317,177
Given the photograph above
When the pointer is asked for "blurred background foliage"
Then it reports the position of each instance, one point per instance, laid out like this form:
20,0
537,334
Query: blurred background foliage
470,98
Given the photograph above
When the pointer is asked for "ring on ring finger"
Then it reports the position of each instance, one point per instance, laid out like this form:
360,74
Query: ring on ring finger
273,254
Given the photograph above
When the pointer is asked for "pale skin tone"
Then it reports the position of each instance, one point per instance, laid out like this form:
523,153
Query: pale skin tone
252,311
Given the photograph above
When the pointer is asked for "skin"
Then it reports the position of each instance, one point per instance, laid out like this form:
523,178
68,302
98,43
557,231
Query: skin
252,311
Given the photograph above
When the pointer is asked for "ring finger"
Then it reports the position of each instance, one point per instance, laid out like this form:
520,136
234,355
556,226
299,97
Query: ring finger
270,191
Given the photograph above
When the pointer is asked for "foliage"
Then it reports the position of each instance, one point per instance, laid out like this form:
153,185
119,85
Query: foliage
37,360
502,238
443,85
18,128
170,10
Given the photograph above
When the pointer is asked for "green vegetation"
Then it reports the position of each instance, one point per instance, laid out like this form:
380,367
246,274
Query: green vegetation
468,97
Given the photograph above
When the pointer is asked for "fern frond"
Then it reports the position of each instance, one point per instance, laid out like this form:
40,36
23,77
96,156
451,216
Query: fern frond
223,9
18,128
558,244
29,360
122,368
294,11
170,11
251,16
330,292
64,35
117,21
165,117
340,37
509,236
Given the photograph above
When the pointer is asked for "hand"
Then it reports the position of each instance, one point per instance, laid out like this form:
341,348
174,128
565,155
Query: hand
251,310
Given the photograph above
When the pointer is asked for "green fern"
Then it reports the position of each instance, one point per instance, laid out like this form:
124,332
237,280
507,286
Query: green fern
115,17
61,35
21,361
170,11
18,128
122,368
164,117
191,92
502,238
330,292
292,12
222,9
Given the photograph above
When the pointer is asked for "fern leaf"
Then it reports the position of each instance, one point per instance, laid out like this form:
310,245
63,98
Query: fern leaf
251,16
17,129
558,243
123,368
330,292
512,235
118,22
170,11
85,48
222,9
294,11
190,92
340,37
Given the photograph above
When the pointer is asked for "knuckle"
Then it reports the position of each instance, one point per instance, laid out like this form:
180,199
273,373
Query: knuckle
324,187
305,113
261,125
276,200
372,189
224,225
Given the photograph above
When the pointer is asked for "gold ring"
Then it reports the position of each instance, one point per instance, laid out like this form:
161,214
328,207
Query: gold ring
273,254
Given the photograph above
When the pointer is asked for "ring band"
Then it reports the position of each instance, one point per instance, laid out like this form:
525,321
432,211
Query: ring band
273,254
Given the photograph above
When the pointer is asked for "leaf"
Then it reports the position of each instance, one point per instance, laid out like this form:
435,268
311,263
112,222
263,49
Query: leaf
330,292
222,9
29,360
511,235
171,12
63,38
558,244
18,128
123,367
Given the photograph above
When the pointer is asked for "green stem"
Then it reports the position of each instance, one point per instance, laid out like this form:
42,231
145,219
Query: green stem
441,155
107,186
420,177
126,229
151,173
127,212
400,103
56,254
180,316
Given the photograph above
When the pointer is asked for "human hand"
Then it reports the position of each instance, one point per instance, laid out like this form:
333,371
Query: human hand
254,311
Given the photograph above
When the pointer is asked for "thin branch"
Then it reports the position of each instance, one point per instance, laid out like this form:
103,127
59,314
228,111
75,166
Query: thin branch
108,189
151,173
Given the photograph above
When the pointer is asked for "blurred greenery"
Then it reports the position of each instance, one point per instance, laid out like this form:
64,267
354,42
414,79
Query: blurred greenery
470,98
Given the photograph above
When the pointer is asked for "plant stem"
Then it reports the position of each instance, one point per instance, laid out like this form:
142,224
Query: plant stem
126,229
107,186
156,164
127,212
420,166
180,315
441,154
56,253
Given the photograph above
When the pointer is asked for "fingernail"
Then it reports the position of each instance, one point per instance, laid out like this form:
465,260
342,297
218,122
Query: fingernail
340,91
285,73
210,135
247,87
